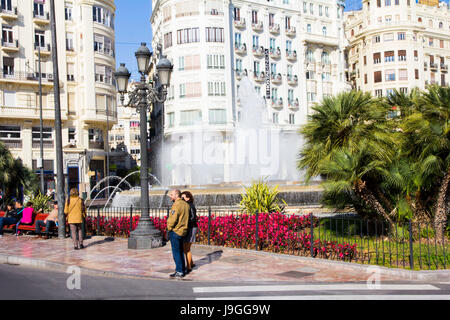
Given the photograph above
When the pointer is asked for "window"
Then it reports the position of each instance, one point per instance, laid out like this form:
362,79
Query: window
388,19
38,8
326,76
70,72
404,90
365,60
389,56
431,42
325,58
237,14
311,8
441,44
168,40
6,5
68,12
327,14
72,134
217,116
239,65
387,2
287,23
104,74
365,78
46,134
416,58
379,93
39,38
190,117
308,28
379,3
309,75
311,96
103,45
103,16
95,135
216,88
9,98
8,67
324,31
403,74
7,34
69,41
389,75
291,118
309,55
377,76
171,119
255,42
416,74
401,36
274,94
188,35
215,61
376,39
275,117
305,10
271,19
320,10
254,17
214,34
401,55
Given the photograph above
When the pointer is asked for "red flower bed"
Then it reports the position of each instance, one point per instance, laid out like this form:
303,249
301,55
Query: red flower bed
276,233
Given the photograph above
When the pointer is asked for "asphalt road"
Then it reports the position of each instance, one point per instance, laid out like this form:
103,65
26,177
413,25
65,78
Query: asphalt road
17,283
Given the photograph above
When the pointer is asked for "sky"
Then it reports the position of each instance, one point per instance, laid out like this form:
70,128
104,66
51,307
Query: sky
132,27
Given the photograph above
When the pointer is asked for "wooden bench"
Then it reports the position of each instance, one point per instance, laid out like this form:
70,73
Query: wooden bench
38,217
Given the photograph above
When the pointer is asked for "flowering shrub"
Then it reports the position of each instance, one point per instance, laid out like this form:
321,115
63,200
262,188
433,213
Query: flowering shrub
276,233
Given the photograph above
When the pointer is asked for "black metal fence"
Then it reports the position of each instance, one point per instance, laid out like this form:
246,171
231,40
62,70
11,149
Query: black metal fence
406,244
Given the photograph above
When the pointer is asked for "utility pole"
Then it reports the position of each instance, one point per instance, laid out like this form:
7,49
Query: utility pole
107,148
41,124
58,128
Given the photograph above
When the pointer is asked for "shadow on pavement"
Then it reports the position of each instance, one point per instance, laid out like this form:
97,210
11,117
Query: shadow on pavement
210,258
109,239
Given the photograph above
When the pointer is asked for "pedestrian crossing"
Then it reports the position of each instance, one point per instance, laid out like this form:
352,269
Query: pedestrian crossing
353,291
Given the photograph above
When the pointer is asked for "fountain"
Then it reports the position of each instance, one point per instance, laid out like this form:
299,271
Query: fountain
216,166
106,188
110,178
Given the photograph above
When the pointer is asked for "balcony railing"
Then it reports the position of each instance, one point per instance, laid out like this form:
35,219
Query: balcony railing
241,73
276,78
291,32
258,26
293,104
291,55
239,23
277,103
274,28
292,80
96,145
10,44
240,48
433,65
45,16
12,144
46,144
258,51
46,48
275,53
9,12
259,76
444,67
26,76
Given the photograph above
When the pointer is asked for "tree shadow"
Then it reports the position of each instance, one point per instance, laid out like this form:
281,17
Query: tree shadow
98,242
210,258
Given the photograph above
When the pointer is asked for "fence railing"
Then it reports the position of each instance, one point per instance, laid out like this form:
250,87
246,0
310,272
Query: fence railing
407,244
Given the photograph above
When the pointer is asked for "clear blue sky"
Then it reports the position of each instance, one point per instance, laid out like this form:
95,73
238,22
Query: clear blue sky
132,27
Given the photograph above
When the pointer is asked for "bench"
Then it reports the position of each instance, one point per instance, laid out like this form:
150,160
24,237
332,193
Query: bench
38,217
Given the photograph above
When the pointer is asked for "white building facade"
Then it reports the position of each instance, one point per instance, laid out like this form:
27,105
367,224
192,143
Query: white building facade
85,31
293,54
398,45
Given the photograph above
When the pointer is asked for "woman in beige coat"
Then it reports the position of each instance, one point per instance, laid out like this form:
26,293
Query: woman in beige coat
75,211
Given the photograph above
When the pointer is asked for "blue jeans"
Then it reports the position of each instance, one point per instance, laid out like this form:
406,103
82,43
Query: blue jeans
6,222
48,226
177,251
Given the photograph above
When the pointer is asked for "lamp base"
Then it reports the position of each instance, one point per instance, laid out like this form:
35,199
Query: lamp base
144,242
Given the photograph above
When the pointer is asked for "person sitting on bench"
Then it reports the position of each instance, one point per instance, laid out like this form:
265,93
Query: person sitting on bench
11,217
28,215
48,223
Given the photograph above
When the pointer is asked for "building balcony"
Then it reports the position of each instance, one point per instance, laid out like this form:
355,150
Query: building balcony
444,68
274,28
276,78
32,78
258,51
321,39
292,80
96,145
240,24
10,46
290,32
277,103
291,55
41,19
259,76
241,73
46,144
275,53
258,27
45,50
9,14
240,48
12,143
353,75
425,66
433,66
293,104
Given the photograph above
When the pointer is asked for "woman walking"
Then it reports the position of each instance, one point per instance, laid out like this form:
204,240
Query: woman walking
75,212
192,230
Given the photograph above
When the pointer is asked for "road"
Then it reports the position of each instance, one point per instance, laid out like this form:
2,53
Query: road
18,283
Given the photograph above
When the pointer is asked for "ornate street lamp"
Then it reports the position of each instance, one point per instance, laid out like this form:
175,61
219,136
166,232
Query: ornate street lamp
145,236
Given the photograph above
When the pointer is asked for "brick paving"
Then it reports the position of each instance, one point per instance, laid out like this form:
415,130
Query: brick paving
212,264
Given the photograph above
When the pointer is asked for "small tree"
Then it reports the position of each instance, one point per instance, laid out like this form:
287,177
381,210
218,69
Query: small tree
259,197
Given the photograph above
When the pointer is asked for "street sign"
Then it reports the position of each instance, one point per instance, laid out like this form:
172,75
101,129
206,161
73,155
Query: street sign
266,53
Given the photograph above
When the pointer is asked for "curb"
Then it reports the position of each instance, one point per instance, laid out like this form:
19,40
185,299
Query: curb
426,275
435,275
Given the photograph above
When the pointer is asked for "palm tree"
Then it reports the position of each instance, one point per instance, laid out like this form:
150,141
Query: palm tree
347,137
428,132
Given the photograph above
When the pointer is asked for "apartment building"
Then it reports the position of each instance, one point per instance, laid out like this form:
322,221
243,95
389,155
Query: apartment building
85,31
293,54
398,44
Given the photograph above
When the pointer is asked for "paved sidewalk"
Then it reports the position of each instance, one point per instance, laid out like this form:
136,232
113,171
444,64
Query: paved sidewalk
111,257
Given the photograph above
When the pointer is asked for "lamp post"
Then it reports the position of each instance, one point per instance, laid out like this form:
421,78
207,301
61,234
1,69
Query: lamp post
145,236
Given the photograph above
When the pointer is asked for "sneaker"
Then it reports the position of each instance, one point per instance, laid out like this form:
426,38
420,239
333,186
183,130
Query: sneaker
81,246
177,275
